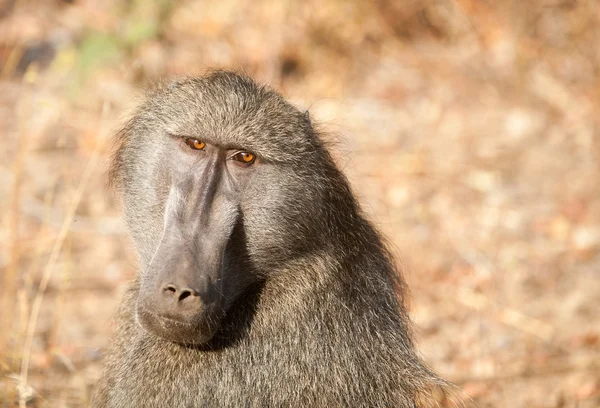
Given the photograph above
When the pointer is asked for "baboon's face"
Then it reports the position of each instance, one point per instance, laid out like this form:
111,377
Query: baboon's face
220,182
198,263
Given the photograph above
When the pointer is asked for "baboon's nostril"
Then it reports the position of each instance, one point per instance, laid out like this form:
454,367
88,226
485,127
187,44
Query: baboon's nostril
170,288
180,294
185,293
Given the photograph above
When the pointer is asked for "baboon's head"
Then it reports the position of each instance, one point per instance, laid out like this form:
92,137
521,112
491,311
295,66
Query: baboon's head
223,182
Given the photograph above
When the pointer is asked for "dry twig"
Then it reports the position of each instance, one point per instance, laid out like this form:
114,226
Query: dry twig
23,388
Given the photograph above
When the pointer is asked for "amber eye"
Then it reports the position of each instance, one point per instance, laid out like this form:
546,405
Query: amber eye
195,143
244,157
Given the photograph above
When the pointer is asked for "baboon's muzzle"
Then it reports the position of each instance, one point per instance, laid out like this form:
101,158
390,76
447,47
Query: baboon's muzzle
182,293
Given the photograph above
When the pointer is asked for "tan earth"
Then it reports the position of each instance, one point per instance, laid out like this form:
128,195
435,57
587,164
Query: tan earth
470,130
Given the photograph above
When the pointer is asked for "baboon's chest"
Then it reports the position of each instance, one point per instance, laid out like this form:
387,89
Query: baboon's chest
233,378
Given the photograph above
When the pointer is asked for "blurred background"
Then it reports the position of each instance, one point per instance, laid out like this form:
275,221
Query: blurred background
470,130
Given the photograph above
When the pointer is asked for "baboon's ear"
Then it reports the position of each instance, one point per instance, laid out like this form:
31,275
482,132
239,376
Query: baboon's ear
308,121
307,116
118,166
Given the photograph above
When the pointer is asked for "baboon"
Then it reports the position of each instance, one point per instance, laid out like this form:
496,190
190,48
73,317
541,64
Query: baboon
261,282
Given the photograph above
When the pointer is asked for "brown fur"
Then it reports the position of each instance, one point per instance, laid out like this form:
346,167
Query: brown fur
317,321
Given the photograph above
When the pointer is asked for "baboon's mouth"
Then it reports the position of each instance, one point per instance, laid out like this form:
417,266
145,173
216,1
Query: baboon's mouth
196,332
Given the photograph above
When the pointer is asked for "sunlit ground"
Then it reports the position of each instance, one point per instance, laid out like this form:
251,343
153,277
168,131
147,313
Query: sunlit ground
469,129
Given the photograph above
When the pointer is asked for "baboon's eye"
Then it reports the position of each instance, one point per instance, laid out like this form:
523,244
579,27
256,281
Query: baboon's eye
195,143
244,157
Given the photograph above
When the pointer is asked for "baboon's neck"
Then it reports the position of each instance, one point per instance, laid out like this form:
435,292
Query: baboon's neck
322,335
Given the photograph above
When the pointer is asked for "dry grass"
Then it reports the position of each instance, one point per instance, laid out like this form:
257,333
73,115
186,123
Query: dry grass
469,129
